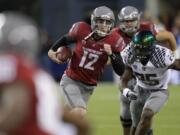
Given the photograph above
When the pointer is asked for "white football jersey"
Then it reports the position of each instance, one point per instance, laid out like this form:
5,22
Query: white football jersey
155,74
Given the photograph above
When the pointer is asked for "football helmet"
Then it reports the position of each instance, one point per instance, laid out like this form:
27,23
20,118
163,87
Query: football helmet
129,19
143,45
18,34
102,20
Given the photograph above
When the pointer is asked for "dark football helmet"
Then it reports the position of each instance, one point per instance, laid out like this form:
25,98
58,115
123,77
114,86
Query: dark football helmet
102,20
18,34
129,19
143,44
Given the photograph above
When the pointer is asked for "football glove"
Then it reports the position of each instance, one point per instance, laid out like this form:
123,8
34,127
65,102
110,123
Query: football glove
131,95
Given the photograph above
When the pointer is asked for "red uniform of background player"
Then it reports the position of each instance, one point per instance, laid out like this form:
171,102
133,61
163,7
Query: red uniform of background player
89,58
29,100
144,25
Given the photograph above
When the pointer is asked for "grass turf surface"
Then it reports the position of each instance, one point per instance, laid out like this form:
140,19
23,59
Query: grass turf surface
103,112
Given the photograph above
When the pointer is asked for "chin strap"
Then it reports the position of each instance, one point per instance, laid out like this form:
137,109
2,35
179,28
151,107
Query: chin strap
101,34
90,35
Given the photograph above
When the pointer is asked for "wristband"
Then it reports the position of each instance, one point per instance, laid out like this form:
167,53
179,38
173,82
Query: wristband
125,91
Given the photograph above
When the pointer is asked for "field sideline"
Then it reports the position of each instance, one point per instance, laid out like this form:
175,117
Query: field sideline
103,112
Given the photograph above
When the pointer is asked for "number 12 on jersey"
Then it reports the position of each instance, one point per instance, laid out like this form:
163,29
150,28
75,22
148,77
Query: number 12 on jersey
88,60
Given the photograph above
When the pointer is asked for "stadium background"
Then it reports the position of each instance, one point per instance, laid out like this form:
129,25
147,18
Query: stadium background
55,17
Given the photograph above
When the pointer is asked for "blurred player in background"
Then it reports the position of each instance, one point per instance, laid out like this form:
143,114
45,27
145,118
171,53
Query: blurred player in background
149,62
29,102
129,24
89,58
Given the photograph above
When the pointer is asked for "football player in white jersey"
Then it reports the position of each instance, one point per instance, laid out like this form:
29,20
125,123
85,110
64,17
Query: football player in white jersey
130,22
150,63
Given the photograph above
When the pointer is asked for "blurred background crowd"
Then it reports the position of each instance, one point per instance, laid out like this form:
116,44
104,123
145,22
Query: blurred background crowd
55,17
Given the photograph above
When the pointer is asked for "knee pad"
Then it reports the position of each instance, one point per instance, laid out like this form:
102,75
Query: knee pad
147,115
126,122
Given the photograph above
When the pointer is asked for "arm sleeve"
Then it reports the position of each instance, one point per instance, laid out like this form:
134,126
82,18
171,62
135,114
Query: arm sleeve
175,65
169,57
63,41
117,63
164,36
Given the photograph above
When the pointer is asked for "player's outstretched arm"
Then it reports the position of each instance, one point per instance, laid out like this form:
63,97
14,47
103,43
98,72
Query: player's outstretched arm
127,75
175,65
167,36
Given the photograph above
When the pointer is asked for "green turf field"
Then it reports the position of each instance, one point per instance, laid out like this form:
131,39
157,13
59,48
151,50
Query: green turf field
103,112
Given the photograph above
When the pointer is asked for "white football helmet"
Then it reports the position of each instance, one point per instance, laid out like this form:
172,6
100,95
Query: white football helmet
102,20
18,34
129,19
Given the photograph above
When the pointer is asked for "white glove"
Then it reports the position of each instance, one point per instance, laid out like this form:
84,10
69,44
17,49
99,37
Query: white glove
131,95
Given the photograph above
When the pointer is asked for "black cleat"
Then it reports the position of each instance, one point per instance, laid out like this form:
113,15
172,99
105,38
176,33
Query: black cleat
149,132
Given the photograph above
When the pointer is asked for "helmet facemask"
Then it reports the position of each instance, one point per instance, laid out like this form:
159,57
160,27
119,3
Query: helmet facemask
143,46
143,54
129,26
102,21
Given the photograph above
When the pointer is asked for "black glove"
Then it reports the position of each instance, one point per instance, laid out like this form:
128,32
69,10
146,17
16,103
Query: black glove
131,95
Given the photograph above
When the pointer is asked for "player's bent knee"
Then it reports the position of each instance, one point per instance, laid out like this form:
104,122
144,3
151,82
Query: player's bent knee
147,114
146,117
125,122
79,111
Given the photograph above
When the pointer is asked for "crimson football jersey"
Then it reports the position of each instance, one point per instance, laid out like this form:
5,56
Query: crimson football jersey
89,58
44,115
144,25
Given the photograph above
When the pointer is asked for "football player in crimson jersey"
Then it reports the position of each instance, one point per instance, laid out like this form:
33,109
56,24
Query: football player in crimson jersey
29,99
89,58
129,24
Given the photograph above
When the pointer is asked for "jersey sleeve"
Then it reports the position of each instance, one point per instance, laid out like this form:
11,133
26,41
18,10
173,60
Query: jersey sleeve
149,26
119,44
73,32
169,57
79,30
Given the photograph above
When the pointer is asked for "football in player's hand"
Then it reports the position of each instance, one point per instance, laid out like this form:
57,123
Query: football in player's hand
64,53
